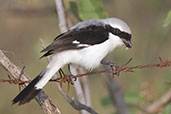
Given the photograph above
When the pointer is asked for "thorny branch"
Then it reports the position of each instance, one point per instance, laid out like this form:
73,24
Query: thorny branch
125,68
77,105
18,76
14,81
118,70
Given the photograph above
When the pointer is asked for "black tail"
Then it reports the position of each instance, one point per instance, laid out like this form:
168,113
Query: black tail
29,92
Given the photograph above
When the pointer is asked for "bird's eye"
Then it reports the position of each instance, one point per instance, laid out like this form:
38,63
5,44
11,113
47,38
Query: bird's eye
116,31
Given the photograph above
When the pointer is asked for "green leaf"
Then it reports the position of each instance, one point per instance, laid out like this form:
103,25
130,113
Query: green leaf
74,9
89,9
106,101
133,97
167,21
167,109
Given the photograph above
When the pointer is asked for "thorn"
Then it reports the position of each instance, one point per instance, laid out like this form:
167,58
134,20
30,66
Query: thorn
9,77
22,72
68,87
130,70
160,59
127,62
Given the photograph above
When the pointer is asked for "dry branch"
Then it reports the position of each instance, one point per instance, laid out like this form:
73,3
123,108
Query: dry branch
125,68
115,91
159,104
18,75
118,70
75,103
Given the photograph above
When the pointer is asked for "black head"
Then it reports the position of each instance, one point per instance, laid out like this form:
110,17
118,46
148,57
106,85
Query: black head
125,37
119,28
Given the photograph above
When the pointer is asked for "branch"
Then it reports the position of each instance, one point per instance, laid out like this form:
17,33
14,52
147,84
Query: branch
86,88
75,103
61,16
124,68
78,87
159,104
115,92
117,71
17,74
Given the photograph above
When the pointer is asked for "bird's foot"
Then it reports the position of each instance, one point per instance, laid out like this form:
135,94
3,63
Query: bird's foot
66,77
71,78
113,67
70,75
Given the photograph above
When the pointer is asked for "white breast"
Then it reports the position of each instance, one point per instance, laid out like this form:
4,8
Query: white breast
91,56
115,41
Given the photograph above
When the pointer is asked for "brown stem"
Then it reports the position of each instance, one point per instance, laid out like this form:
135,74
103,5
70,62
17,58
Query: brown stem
17,74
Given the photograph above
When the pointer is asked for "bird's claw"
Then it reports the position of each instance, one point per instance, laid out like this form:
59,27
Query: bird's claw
113,67
69,80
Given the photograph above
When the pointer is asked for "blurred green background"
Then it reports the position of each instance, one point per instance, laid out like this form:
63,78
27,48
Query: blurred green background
24,22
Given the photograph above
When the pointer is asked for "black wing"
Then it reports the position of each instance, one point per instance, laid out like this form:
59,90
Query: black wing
89,35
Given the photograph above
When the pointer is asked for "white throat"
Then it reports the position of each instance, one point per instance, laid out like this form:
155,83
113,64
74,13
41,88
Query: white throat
115,41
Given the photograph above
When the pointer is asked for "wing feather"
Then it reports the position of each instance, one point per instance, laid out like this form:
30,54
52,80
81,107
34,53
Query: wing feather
86,36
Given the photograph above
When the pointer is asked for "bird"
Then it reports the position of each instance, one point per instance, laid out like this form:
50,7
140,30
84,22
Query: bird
85,44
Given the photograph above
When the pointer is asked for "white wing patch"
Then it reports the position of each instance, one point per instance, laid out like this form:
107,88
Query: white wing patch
75,42
80,45
83,45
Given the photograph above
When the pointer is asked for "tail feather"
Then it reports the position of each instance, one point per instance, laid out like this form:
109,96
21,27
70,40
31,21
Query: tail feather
29,92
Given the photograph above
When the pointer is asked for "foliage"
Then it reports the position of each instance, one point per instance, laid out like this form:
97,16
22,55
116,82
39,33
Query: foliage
167,21
88,9
106,101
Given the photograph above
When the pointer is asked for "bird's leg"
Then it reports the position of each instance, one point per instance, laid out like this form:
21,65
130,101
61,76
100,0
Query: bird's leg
61,74
70,75
112,66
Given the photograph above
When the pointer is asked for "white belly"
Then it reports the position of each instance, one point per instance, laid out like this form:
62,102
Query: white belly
89,57
92,56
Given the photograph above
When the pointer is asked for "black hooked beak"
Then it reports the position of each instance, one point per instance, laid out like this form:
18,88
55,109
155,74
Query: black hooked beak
127,43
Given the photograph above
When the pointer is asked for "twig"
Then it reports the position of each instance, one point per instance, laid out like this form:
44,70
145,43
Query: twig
78,87
75,103
16,82
61,16
86,88
116,94
124,68
46,104
44,46
118,69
